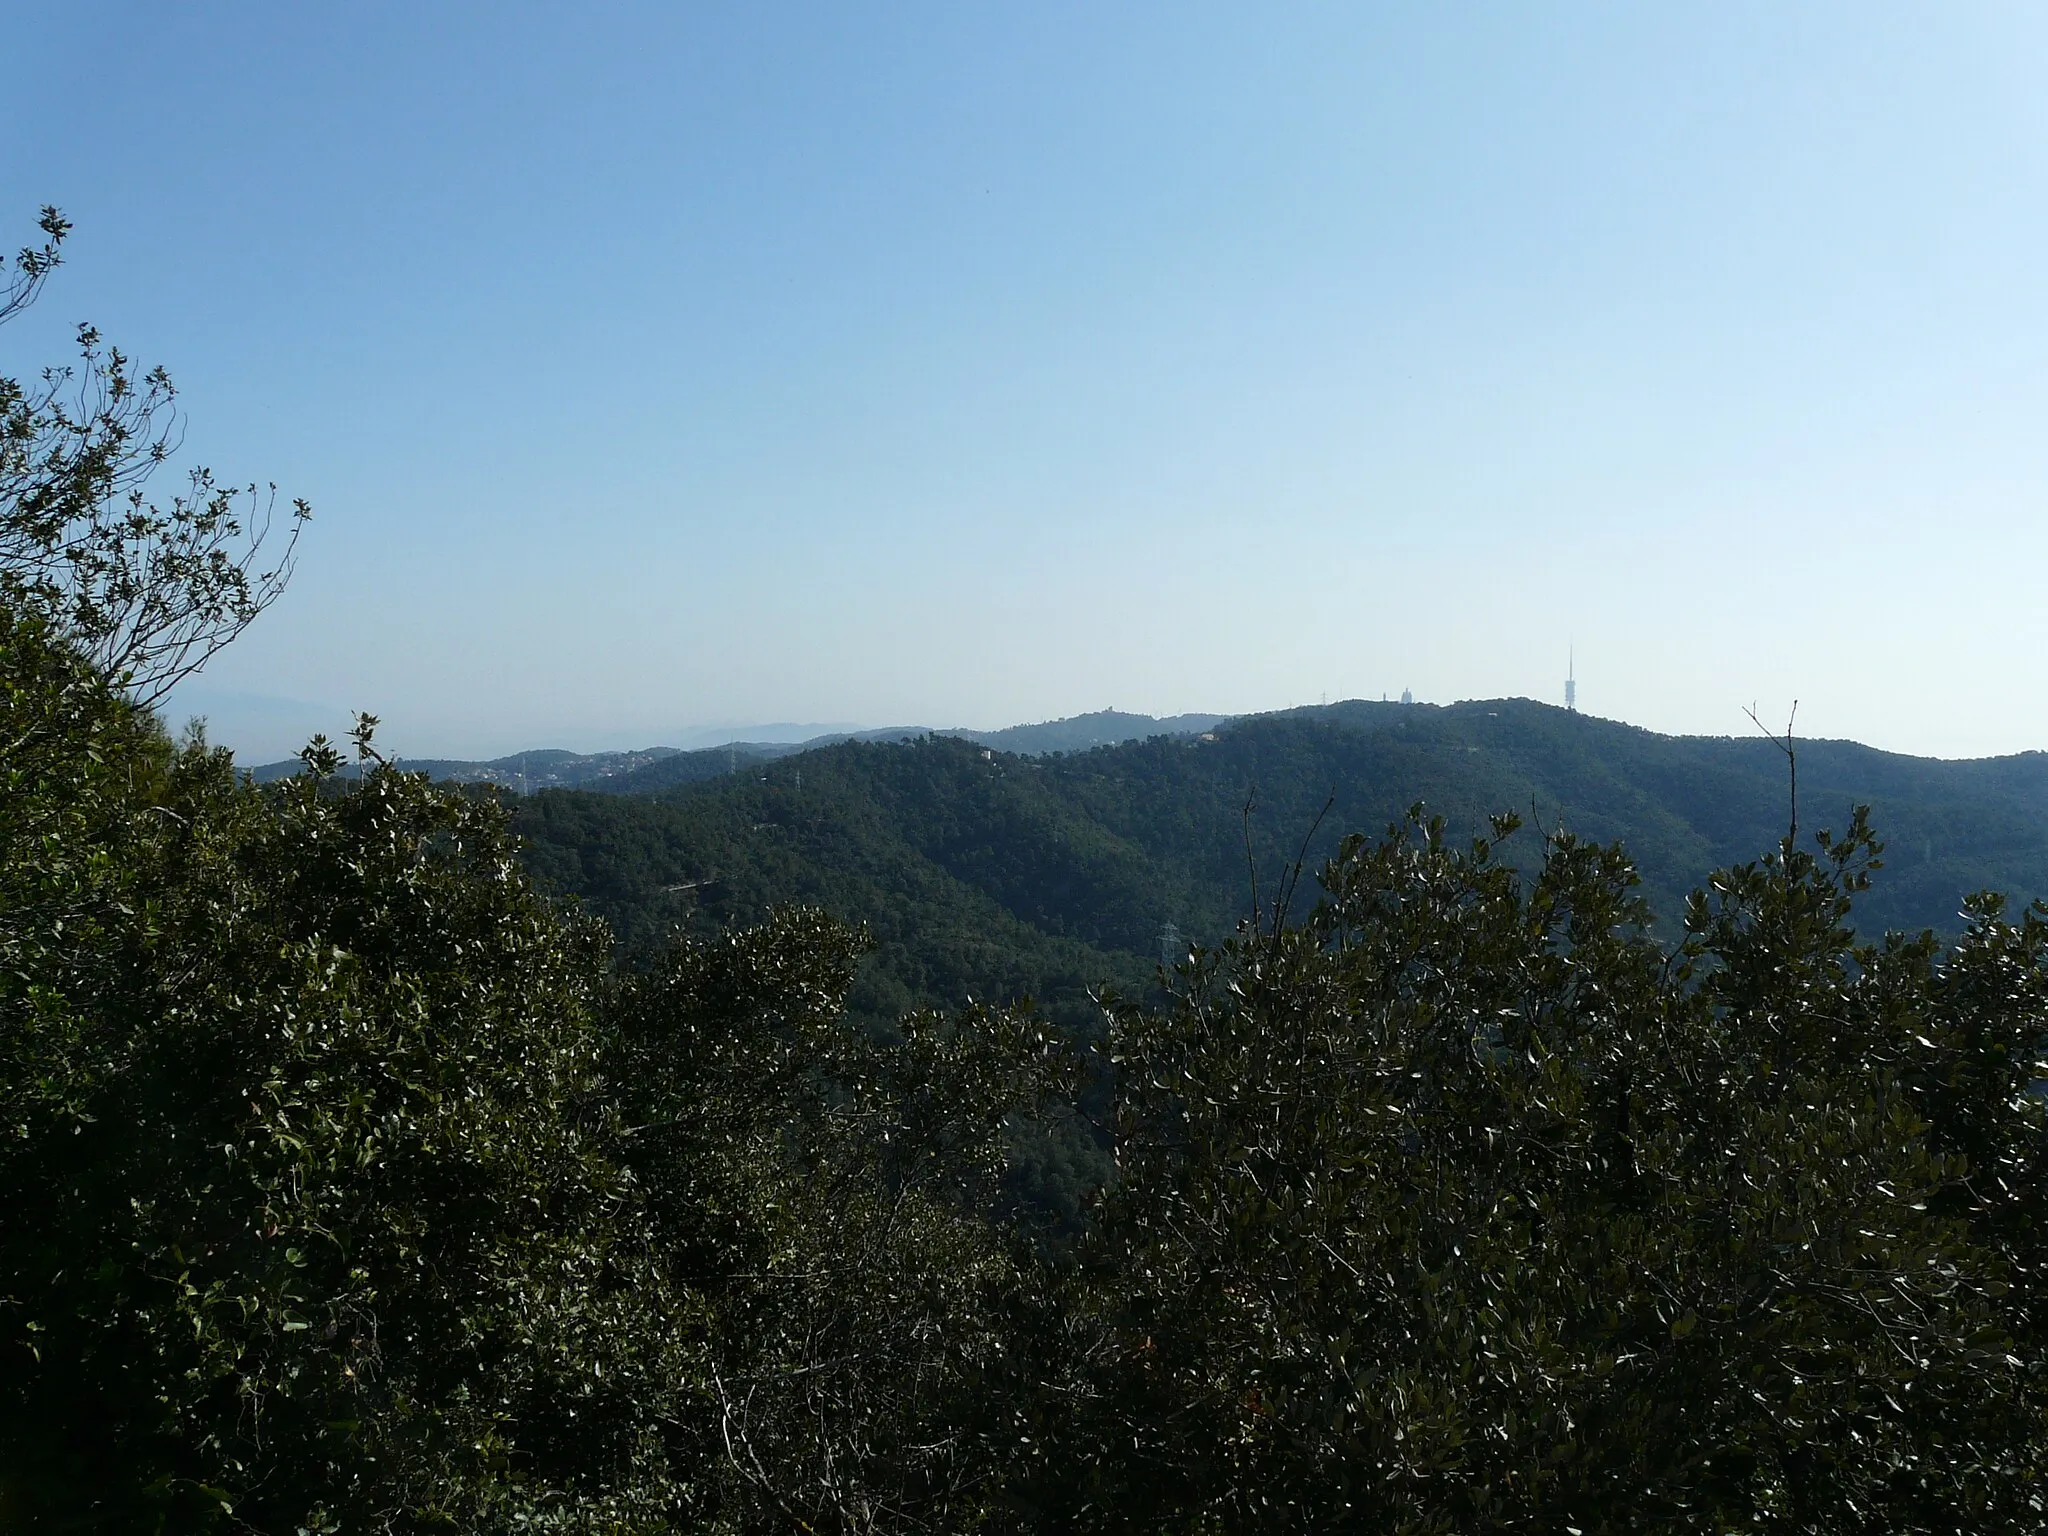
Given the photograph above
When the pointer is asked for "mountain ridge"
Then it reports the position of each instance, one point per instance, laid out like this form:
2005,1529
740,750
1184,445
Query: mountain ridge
560,768
984,872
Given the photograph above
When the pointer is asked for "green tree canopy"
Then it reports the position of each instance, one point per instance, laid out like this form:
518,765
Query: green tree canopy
1463,1206
349,1188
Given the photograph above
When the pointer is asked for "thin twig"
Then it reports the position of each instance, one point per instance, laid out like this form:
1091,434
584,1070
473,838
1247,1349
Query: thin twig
1292,883
1791,763
1251,864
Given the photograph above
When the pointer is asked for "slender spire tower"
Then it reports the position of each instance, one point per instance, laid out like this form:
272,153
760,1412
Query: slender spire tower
1571,680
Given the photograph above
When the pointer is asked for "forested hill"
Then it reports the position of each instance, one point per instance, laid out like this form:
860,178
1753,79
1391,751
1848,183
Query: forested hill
987,873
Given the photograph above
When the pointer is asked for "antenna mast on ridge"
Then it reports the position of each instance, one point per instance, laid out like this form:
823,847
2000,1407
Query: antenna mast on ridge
1571,680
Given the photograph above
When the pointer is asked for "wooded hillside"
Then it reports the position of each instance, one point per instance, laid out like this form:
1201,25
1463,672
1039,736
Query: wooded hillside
989,874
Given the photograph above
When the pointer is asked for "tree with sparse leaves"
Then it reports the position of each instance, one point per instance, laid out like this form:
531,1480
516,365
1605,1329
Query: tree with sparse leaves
148,588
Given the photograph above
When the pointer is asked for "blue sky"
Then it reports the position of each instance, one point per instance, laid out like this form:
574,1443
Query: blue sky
660,367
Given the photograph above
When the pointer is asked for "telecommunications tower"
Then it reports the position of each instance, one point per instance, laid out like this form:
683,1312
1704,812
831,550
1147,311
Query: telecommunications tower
1173,949
1571,681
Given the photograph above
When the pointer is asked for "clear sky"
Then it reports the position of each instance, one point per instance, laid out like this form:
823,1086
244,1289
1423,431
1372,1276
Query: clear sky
653,367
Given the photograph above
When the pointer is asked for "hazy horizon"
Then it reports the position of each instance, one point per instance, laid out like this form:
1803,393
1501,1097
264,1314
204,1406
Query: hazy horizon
259,745
650,365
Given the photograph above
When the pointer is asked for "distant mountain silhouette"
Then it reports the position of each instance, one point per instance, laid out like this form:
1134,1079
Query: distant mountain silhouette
522,772
1077,733
653,768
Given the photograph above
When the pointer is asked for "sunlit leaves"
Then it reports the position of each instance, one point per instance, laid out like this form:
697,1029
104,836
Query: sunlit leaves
1463,1204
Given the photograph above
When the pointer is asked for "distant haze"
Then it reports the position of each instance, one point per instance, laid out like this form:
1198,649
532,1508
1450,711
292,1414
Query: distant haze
656,371
553,767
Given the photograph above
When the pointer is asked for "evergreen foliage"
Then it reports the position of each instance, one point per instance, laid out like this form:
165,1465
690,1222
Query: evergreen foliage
310,1214
1456,1207
349,1188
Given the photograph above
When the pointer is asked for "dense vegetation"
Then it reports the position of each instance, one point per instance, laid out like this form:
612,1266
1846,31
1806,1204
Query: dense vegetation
350,1189
357,1184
